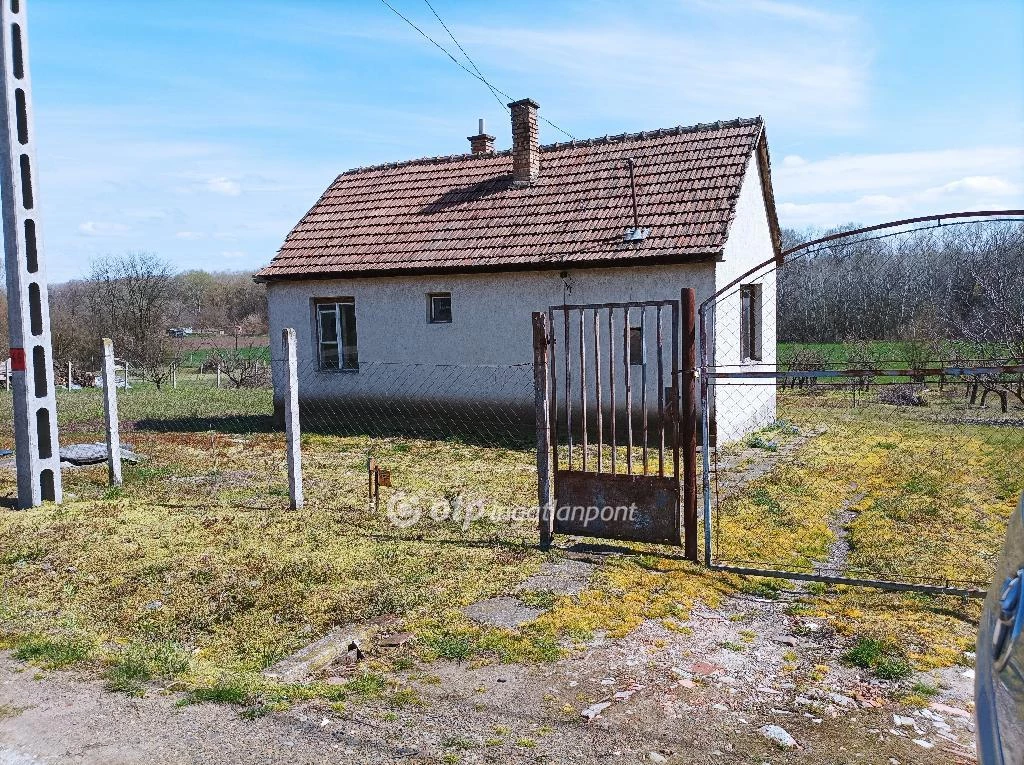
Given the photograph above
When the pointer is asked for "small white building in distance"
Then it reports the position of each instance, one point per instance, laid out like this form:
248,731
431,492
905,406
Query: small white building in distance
414,282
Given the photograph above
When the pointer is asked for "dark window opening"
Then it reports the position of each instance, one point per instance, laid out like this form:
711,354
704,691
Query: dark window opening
637,349
336,334
750,322
439,308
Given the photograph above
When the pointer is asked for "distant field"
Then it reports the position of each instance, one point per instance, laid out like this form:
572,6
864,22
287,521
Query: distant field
893,354
196,349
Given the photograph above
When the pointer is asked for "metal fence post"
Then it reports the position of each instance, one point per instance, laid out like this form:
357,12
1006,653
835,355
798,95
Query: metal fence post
545,518
705,434
293,436
110,413
688,412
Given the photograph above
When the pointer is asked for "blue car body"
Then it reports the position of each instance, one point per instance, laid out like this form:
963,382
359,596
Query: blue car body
999,672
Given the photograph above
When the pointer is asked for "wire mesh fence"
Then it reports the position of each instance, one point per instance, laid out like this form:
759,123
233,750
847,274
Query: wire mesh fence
455,441
869,423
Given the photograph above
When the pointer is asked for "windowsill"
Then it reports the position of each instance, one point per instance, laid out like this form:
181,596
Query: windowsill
332,371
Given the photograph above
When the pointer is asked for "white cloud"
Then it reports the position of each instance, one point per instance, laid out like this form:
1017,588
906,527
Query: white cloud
870,173
225,186
796,12
190,235
873,188
233,254
101,229
793,160
664,66
981,185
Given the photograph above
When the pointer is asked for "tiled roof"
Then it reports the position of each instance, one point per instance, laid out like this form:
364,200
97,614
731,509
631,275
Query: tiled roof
461,213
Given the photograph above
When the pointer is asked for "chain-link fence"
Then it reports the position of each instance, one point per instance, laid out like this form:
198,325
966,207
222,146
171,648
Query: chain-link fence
455,443
866,406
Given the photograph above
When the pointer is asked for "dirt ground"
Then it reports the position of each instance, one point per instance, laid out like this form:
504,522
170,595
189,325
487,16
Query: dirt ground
657,695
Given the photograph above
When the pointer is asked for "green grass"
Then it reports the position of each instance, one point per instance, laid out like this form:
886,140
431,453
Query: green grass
52,652
885,659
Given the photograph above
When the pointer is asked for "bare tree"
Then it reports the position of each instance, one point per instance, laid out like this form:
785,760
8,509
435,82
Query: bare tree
244,368
130,295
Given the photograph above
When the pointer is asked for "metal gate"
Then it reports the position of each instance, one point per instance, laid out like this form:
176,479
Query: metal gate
846,432
617,414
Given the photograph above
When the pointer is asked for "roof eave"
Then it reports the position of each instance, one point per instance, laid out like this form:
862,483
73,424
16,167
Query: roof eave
623,262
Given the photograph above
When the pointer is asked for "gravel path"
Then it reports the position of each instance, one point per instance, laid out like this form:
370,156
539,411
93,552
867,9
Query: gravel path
657,695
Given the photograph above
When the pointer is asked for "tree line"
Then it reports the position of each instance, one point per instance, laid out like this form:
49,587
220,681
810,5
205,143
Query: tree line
952,289
135,298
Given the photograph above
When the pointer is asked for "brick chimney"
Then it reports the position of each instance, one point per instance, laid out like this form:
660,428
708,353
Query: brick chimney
481,143
525,142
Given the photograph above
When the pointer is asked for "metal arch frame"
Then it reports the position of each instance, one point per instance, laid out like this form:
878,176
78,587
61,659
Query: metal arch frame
37,451
707,307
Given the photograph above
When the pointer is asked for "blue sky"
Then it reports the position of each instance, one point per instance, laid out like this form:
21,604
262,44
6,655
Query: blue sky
203,130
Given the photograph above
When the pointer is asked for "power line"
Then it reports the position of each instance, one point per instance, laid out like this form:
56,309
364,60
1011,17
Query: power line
475,75
476,69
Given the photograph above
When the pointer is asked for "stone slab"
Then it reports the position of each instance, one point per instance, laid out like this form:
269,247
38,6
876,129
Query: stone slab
505,612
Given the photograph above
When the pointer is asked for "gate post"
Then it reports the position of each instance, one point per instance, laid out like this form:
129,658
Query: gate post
688,414
545,519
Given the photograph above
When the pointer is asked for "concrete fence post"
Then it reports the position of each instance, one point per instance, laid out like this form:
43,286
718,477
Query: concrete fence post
293,436
70,382
218,374
110,413
7,374
174,377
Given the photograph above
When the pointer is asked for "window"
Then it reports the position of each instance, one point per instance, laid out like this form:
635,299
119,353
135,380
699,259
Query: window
336,334
637,348
750,322
439,308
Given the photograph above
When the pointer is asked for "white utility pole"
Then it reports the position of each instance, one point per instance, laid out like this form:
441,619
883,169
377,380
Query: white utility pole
110,413
37,453
293,436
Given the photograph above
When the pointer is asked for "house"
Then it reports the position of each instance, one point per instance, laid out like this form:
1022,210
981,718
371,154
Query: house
415,281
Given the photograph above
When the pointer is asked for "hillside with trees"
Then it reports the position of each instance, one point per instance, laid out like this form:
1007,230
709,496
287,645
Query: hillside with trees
135,298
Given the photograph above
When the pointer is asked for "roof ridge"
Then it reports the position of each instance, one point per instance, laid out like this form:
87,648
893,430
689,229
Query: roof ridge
700,127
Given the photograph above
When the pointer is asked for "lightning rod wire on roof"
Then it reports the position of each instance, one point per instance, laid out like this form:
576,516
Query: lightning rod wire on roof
463,67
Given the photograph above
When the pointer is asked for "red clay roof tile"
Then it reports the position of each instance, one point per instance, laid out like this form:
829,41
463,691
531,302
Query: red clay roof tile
462,213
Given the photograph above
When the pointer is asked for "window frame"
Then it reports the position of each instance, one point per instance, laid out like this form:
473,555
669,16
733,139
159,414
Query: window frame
751,323
431,296
347,357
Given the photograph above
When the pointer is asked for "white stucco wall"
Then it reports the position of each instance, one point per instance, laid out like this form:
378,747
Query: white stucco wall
486,353
739,405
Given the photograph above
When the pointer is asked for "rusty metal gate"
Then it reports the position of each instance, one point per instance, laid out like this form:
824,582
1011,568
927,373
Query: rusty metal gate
616,413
